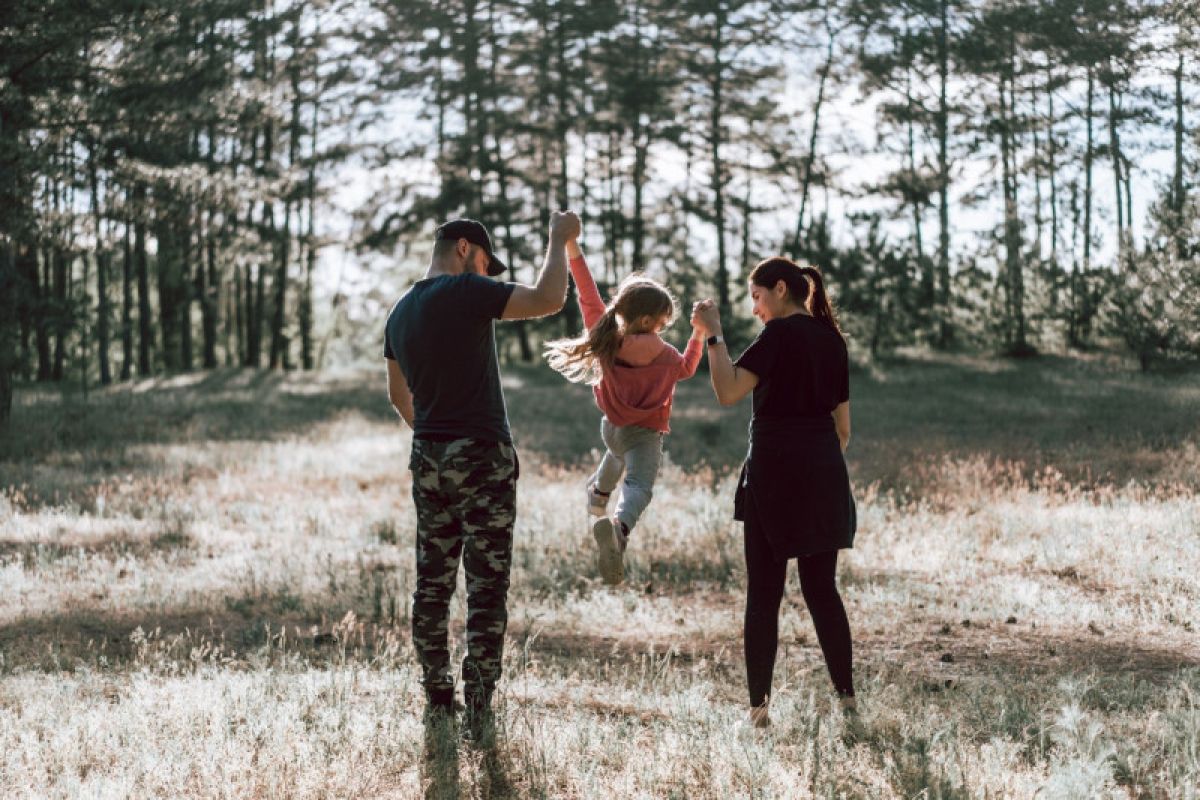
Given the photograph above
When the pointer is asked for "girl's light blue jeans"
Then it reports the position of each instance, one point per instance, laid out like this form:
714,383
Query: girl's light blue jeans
636,453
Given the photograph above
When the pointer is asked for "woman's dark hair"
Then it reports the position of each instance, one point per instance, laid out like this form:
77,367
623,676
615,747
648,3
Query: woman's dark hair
804,284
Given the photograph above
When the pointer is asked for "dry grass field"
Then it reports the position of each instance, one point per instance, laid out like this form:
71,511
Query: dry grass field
206,584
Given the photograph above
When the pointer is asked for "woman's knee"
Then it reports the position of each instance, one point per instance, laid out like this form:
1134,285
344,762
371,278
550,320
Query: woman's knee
818,576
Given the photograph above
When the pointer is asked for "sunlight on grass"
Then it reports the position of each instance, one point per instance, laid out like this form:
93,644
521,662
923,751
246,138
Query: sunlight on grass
213,600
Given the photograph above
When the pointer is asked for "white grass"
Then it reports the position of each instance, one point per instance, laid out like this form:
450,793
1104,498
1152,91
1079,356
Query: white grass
227,616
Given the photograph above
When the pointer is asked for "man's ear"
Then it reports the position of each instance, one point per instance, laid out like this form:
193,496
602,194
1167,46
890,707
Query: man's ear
463,248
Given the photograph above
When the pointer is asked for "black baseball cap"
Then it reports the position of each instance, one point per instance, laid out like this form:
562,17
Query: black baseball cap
474,232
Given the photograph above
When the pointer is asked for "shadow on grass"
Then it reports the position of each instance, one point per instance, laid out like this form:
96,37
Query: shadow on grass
440,761
220,405
297,628
115,546
1094,424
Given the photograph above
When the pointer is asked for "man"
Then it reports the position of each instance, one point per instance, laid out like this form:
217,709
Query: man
444,381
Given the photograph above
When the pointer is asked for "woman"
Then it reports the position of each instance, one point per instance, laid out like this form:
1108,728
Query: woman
793,493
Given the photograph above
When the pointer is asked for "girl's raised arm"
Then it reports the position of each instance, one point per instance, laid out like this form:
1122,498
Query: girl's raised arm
590,302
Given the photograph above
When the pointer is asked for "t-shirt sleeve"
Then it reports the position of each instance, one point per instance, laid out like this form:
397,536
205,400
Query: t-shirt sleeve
760,356
486,298
388,352
844,383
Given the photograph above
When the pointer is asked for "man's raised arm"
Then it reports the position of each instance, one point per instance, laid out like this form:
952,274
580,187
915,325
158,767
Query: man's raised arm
548,296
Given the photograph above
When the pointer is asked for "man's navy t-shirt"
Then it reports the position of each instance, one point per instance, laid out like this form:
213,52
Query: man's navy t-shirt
441,333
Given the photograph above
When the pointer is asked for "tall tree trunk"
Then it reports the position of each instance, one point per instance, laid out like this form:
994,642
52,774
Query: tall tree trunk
441,96
186,361
208,289
279,342
127,355
1130,245
928,279
506,221
231,323
241,297
167,261
1073,334
1038,226
1178,199
43,310
562,127
102,262
1088,158
278,357
9,281
1014,284
1114,143
249,355
28,299
103,333
472,115
943,134
259,318
716,85
1080,313
56,264
1052,178
811,156
310,238
84,353
747,213
61,262
612,208
640,150
1052,168
145,321
641,146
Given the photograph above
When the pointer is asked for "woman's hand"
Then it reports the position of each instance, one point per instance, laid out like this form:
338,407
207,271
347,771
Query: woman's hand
706,318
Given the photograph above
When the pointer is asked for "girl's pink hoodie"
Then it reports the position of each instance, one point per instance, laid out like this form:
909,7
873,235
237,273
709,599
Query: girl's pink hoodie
638,389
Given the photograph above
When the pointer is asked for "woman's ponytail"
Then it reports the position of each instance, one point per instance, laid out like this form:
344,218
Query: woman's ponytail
804,284
819,303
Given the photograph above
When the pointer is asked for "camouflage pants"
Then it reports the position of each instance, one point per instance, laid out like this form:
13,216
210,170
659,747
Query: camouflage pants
465,492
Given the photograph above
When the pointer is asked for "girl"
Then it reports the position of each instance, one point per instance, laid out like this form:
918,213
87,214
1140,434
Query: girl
794,493
633,373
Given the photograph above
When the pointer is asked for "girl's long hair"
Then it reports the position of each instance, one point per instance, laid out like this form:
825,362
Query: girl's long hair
805,286
584,358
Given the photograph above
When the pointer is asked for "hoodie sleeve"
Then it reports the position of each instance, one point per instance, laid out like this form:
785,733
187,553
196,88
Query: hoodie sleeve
691,358
589,296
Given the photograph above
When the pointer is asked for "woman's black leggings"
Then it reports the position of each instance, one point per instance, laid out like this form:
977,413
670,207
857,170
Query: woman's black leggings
766,576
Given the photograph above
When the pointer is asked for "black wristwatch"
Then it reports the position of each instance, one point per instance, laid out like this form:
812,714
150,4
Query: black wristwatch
718,339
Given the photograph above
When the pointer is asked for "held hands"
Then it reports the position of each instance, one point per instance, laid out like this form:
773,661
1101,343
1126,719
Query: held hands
564,226
706,319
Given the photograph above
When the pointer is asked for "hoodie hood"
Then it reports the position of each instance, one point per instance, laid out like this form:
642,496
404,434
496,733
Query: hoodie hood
640,349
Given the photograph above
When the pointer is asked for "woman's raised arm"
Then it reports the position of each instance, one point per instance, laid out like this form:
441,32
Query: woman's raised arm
730,383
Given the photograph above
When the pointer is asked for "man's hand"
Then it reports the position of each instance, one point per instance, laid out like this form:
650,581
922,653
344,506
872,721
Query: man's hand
564,227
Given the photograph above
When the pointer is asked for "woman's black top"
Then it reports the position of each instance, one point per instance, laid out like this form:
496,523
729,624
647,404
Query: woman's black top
794,485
